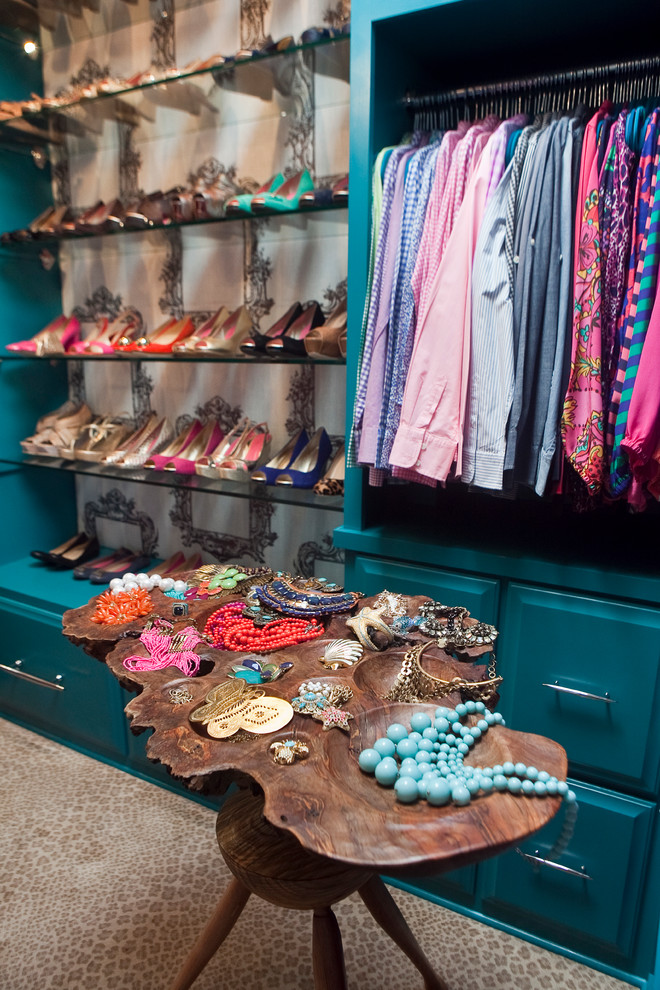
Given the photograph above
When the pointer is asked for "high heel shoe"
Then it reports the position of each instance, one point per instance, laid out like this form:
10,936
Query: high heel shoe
243,203
206,441
256,344
308,466
163,339
152,445
205,467
332,482
186,348
68,408
282,460
292,340
132,441
55,338
62,433
284,199
176,448
229,337
104,438
252,448
121,330
130,343
323,341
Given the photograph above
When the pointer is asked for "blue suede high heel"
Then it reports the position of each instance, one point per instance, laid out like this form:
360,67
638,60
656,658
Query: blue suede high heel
282,460
309,465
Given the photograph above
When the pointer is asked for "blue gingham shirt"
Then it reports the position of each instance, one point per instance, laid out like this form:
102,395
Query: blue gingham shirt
419,182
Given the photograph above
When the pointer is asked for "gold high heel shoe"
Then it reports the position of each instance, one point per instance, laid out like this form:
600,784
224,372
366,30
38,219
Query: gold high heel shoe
151,444
229,337
105,437
212,326
132,442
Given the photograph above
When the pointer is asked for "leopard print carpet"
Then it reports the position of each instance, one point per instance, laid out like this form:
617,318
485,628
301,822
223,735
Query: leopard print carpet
106,880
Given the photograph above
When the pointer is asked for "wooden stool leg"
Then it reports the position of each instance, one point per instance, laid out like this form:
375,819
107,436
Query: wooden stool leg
217,929
382,906
327,952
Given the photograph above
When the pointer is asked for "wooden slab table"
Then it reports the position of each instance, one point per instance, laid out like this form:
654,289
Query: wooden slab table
311,833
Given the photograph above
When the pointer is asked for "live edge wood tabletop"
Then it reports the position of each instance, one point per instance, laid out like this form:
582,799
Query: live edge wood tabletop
325,801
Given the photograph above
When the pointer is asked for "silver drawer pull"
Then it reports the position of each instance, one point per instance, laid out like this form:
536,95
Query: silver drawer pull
55,685
581,694
537,861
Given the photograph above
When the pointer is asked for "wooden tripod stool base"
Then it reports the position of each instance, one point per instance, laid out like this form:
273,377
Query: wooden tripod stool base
272,864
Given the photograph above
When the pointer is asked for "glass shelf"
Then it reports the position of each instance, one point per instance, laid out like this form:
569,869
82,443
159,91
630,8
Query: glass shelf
278,494
50,123
173,225
170,359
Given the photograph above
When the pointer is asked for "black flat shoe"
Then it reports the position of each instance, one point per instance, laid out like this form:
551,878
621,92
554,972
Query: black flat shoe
86,549
50,556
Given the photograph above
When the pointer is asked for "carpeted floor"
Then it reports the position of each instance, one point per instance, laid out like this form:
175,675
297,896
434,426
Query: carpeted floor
106,881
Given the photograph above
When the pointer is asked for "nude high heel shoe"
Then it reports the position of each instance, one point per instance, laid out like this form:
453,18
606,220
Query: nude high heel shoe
323,341
252,448
205,466
186,348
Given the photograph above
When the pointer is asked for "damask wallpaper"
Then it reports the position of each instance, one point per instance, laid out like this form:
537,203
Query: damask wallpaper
223,133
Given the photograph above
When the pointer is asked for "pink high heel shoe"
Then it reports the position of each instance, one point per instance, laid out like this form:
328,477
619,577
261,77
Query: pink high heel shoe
176,448
124,327
56,338
206,441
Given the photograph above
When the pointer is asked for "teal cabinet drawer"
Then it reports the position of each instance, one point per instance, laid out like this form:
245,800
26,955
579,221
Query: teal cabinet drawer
584,671
371,574
597,903
53,686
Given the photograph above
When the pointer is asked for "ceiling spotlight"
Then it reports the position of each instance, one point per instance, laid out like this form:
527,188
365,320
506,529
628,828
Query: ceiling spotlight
30,48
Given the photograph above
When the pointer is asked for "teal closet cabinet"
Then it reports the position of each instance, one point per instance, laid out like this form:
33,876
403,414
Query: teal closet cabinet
576,597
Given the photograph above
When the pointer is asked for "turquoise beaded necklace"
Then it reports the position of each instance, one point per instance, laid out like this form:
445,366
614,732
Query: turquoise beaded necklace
427,763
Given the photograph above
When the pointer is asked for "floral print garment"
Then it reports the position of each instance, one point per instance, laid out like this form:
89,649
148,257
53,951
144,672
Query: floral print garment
582,418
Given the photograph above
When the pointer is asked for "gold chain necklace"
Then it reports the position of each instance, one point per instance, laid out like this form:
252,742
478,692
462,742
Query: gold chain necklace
414,684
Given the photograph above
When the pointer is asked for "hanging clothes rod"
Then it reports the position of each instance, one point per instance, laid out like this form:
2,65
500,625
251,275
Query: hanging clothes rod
621,82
